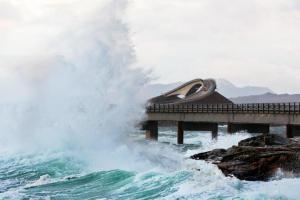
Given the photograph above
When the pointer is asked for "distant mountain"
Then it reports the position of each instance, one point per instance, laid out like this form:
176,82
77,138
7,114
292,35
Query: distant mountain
229,90
268,98
248,94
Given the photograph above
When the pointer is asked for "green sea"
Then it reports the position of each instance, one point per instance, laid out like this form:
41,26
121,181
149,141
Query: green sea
149,170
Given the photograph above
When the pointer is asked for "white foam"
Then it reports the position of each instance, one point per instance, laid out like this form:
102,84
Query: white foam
72,87
44,179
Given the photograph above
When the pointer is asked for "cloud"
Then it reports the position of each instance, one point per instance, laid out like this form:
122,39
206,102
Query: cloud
248,42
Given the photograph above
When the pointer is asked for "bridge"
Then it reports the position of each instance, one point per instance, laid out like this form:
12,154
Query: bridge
197,115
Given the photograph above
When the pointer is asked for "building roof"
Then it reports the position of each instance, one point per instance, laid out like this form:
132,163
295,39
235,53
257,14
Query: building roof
197,91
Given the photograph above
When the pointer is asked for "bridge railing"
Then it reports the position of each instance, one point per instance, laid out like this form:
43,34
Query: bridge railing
255,108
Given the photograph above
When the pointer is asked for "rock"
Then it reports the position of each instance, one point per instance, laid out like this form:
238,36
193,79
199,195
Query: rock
264,140
214,155
256,158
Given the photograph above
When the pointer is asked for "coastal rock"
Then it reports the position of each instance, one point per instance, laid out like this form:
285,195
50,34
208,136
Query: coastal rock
264,140
256,158
214,155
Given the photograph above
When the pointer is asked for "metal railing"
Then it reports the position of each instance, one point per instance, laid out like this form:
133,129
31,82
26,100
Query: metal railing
255,108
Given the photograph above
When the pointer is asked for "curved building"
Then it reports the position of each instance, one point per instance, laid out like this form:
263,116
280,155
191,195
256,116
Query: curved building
197,91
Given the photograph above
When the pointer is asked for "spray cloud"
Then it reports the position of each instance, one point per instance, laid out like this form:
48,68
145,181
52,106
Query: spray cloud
65,74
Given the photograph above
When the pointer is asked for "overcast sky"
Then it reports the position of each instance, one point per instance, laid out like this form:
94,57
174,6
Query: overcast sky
253,42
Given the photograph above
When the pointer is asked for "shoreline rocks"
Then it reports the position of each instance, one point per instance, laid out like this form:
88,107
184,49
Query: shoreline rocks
256,158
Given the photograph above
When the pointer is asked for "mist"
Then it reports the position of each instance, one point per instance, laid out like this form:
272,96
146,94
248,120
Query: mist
65,75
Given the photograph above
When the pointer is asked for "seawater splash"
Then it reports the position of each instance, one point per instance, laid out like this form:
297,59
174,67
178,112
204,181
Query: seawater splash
68,104
66,79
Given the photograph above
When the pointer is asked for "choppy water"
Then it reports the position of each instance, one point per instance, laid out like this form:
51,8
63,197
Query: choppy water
164,173
67,88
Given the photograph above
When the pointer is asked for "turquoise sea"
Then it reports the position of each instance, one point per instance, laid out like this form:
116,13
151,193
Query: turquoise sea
71,93
139,169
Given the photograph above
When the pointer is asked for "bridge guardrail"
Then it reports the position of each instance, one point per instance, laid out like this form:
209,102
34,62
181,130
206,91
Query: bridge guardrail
255,108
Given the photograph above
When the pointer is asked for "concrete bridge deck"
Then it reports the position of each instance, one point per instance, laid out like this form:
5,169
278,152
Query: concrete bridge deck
254,118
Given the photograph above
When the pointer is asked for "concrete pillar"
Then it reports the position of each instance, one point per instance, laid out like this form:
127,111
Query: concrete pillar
151,130
180,132
289,131
292,130
214,131
250,128
230,128
196,126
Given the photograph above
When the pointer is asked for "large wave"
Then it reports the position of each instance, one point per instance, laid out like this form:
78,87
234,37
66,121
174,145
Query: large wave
66,79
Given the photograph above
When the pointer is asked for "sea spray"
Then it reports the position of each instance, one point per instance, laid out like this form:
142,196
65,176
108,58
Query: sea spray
68,103
66,79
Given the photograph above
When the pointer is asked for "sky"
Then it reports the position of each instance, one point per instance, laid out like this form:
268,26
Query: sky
253,42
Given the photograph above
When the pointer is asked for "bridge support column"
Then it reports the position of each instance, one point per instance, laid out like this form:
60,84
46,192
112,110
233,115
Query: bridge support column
292,130
180,132
195,126
214,131
230,128
151,128
250,128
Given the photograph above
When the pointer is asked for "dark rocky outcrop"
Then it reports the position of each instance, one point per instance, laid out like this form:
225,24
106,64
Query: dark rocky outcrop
264,140
257,158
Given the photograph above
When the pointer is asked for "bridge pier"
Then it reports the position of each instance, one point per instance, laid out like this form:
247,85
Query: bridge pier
151,128
250,128
180,132
195,126
292,130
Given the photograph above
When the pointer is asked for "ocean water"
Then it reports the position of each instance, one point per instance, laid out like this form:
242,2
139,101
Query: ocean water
160,170
69,107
